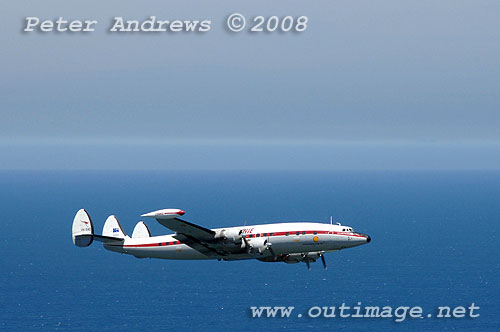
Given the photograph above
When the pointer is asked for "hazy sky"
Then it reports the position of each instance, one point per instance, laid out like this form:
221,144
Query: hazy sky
370,84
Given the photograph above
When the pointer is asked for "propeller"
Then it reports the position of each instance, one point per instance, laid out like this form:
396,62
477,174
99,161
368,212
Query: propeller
323,260
247,246
271,250
306,260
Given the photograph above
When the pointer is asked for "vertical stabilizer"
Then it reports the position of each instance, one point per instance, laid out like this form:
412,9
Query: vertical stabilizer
83,229
141,231
112,228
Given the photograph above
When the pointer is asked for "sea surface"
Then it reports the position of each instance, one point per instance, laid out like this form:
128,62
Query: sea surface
435,240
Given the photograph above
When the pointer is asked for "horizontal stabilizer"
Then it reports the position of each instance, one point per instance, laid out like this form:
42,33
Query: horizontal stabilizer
83,230
106,239
82,240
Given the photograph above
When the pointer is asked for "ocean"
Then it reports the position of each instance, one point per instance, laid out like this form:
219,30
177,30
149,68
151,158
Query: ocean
434,243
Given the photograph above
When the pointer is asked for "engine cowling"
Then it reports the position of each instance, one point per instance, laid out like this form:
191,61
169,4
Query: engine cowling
230,235
258,245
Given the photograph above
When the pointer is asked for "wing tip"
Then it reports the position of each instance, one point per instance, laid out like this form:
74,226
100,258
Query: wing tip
164,214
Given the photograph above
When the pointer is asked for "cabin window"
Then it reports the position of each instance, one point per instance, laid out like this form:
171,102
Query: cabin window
315,233
258,235
303,233
287,233
271,234
297,233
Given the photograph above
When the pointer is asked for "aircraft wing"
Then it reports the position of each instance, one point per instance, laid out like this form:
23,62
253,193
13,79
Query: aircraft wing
185,227
195,236
205,248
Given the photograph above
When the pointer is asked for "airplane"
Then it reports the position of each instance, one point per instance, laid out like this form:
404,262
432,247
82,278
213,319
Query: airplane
291,242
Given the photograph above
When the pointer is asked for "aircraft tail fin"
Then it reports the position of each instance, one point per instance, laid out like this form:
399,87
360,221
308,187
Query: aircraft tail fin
113,229
141,231
83,230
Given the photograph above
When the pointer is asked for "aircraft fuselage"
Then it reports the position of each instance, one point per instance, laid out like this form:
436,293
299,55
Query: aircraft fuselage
286,239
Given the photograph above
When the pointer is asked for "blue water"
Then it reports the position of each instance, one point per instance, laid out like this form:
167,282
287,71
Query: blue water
434,242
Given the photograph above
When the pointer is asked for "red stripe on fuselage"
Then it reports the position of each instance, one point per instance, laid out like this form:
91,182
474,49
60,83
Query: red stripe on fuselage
290,233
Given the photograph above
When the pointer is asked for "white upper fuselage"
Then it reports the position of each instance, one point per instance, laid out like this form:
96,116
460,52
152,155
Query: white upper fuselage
286,238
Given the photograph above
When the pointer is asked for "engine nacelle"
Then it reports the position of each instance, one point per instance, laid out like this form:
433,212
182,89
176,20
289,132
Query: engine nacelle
258,245
230,235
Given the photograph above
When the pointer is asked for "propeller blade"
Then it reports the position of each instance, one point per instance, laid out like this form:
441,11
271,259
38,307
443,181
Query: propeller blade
247,246
324,262
271,250
308,265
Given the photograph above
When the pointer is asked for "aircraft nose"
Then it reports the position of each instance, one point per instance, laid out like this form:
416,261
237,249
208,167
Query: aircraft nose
366,236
